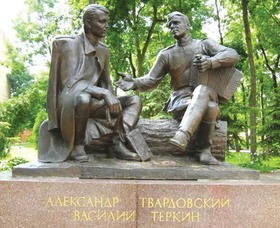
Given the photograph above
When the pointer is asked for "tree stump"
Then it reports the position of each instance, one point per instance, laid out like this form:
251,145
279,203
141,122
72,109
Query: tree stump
158,132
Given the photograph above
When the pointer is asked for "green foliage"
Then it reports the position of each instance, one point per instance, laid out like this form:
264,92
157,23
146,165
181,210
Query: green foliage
265,19
20,112
263,162
4,140
41,116
10,163
271,132
19,77
154,101
39,24
264,22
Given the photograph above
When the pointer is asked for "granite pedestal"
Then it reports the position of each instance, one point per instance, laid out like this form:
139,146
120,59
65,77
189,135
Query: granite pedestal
160,167
71,202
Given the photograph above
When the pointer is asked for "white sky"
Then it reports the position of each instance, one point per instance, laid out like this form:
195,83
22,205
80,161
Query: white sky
211,27
8,11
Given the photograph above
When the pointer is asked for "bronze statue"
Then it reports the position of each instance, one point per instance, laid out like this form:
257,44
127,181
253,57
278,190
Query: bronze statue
80,90
197,69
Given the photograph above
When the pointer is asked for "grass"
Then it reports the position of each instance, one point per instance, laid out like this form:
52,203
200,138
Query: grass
263,163
25,144
20,153
10,163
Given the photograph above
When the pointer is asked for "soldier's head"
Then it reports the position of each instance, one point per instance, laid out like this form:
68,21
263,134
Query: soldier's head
178,24
95,19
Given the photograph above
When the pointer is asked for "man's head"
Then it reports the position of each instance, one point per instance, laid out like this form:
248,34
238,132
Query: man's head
179,24
95,19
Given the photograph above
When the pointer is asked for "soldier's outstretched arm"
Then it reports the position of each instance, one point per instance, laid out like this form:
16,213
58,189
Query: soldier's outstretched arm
149,81
126,83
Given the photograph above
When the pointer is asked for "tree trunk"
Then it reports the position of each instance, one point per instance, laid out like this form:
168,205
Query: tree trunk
132,65
140,66
235,135
245,115
252,79
272,69
158,132
262,105
219,21
180,6
142,52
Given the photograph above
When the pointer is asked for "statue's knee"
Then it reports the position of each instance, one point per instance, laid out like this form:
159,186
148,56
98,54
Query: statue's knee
136,100
212,112
201,91
213,108
83,99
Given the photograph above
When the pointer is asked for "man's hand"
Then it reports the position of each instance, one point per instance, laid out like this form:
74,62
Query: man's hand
202,63
113,103
126,83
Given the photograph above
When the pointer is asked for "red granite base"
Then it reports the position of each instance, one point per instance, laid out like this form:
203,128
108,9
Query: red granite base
130,203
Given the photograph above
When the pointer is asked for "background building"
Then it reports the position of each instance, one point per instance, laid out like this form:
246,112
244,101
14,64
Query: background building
4,83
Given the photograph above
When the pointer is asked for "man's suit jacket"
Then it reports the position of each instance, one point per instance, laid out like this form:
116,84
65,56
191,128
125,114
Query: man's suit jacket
75,65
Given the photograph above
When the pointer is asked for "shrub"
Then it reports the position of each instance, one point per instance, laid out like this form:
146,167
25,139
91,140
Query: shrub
10,163
21,111
4,140
41,116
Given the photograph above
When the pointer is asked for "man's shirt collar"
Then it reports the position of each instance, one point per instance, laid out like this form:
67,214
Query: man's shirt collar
96,51
89,48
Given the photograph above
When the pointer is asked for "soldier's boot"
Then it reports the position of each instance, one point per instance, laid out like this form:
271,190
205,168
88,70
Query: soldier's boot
181,139
203,144
122,152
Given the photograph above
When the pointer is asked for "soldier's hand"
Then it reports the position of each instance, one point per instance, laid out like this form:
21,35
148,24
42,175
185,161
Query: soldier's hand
113,103
126,83
202,63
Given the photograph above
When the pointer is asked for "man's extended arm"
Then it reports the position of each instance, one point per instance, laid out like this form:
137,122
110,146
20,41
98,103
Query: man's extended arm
149,81
153,78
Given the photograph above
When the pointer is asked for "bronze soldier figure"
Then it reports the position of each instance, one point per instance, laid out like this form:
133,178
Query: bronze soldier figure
80,89
193,103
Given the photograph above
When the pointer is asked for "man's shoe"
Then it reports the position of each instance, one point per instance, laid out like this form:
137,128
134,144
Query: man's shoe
123,153
180,140
79,154
205,157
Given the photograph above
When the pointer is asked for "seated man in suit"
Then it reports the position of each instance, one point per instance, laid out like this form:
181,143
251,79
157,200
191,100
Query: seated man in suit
80,88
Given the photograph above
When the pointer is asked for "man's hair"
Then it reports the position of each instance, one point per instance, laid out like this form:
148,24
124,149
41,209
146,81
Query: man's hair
91,10
178,14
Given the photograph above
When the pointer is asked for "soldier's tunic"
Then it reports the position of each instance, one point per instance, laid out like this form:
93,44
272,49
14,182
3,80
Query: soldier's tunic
177,61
